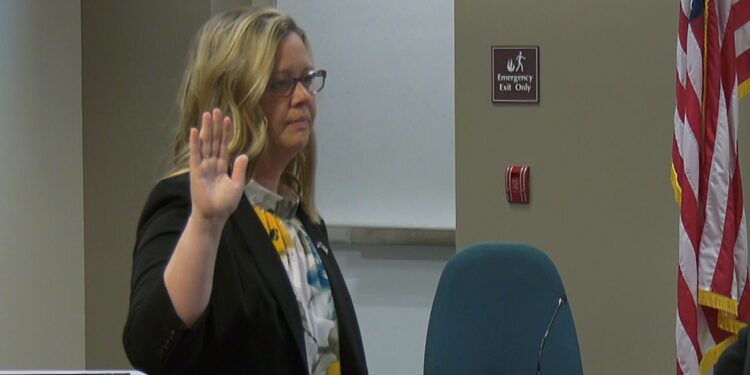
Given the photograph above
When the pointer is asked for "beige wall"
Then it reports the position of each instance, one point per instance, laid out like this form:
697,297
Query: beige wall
599,147
133,57
41,185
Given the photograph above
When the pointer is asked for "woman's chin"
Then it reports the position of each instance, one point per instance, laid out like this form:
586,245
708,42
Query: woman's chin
297,145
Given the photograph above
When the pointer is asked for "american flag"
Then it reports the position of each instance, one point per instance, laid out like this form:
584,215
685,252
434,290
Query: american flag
713,67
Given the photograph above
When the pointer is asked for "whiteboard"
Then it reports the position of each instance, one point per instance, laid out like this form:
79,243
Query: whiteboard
386,124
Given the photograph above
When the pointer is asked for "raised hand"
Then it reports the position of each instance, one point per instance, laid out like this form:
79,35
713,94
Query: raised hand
214,194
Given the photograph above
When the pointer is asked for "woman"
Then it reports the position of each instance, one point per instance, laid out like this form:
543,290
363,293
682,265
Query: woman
232,272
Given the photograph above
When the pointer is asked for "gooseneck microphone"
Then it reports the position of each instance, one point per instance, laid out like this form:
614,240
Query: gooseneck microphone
560,303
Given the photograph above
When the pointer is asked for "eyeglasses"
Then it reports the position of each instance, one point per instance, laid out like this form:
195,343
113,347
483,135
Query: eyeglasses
313,82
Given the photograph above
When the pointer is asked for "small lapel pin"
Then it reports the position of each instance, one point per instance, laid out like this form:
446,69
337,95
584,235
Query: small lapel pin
321,246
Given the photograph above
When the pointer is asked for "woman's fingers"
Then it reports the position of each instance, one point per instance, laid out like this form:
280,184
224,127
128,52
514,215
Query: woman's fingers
216,129
212,141
239,170
206,135
212,190
226,137
195,149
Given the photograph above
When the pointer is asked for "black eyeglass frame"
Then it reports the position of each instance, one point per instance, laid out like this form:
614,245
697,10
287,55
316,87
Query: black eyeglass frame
290,83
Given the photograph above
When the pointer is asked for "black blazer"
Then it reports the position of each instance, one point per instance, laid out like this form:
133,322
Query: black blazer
252,324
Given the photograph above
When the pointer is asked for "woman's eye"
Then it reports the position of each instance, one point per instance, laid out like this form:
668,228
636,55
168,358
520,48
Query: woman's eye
279,83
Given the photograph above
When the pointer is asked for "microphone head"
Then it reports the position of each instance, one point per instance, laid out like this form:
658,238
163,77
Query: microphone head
563,299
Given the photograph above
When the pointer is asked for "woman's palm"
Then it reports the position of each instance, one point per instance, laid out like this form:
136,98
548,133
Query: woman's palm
215,194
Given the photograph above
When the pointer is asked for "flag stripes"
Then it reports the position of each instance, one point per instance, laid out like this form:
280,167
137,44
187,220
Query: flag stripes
713,71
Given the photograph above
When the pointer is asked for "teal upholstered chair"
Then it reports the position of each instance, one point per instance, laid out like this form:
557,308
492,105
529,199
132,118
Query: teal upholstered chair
492,307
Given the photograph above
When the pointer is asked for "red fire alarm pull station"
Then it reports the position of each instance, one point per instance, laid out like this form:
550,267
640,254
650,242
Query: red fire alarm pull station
517,184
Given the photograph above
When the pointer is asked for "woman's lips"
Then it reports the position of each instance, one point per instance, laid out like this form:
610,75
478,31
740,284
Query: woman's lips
299,122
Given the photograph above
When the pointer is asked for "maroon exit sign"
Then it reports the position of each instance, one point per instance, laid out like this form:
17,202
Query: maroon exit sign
515,74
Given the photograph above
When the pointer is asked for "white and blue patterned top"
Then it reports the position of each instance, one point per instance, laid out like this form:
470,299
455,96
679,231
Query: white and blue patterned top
306,274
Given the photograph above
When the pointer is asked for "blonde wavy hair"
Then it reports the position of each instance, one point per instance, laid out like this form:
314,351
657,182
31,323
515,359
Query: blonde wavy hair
229,65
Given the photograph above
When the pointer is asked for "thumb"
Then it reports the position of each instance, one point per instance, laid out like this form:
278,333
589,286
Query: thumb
239,170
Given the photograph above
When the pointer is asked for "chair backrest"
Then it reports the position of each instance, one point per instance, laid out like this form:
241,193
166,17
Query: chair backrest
493,304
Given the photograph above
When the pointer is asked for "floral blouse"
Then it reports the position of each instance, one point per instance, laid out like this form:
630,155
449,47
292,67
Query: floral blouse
306,274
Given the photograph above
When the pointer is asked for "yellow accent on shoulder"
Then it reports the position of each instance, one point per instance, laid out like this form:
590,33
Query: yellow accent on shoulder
276,230
334,368
262,216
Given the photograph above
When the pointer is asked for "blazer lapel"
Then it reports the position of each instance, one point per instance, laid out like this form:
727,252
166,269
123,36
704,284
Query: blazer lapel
352,352
259,245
